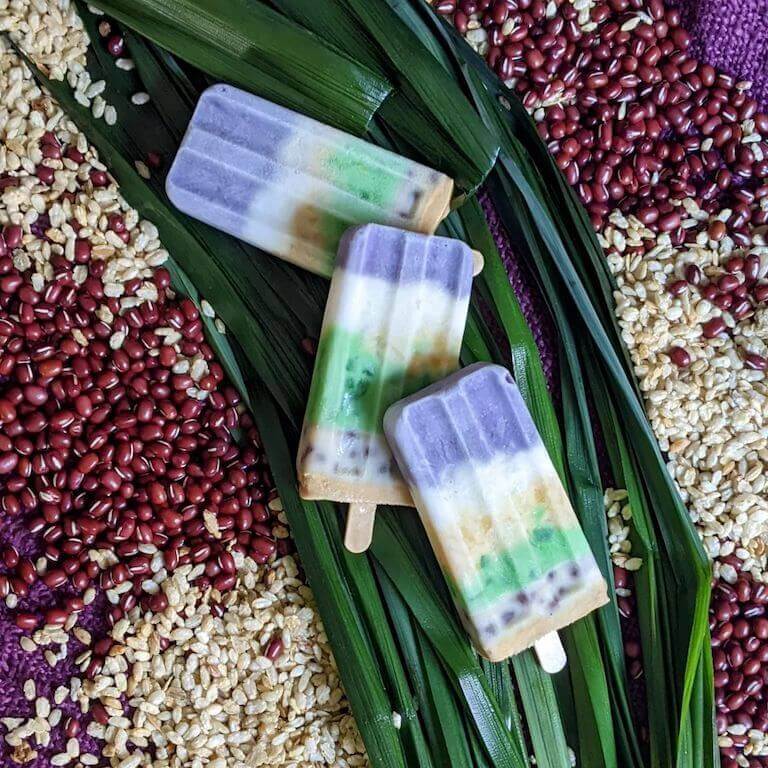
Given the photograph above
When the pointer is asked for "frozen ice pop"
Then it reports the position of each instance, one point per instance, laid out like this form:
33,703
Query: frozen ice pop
502,527
291,185
393,324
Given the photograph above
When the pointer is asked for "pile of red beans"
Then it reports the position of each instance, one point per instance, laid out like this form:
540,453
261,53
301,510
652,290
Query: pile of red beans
630,114
110,449
635,122
739,625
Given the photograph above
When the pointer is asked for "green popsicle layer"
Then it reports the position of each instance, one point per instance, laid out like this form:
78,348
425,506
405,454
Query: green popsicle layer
516,568
359,173
355,181
357,385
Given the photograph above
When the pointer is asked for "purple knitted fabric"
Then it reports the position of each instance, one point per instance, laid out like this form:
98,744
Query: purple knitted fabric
17,666
731,35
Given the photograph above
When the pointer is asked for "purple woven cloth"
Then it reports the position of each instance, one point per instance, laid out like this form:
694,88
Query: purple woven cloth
532,303
731,35
17,666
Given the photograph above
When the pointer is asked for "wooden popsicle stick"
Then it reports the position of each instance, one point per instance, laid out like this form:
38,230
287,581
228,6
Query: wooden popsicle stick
550,653
477,263
359,531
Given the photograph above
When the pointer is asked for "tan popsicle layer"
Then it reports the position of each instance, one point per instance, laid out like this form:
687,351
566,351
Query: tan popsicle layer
435,207
324,487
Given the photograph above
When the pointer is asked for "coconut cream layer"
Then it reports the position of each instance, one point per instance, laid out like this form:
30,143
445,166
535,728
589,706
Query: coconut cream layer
398,318
345,465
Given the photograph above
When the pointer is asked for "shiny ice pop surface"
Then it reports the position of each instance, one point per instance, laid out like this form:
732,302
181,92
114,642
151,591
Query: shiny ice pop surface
291,185
393,324
494,509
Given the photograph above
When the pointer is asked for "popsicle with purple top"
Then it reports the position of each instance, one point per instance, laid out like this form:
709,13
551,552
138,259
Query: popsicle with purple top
393,324
291,185
502,527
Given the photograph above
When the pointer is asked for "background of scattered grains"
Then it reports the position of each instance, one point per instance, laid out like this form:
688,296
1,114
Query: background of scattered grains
240,671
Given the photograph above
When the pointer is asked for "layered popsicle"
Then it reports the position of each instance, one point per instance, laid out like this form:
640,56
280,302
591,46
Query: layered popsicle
291,185
393,324
502,527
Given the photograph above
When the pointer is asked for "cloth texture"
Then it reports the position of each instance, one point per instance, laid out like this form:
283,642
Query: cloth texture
731,35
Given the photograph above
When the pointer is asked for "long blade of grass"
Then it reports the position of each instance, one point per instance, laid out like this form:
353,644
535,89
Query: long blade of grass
457,744
653,638
478,342
253,46
702,713
368,600
587,495
427,103
500,682
406,632
596,738
174,102
541,712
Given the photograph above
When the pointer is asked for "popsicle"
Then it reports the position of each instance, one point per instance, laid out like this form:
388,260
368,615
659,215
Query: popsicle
291,185
497,516
393,324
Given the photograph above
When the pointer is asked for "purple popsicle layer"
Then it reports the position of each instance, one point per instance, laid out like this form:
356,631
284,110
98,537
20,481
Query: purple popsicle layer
403,257
206,179
224,162
487,416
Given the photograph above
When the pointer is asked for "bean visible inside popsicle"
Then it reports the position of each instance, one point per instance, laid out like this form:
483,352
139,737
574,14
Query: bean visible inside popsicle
503,530
291,185
394,322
